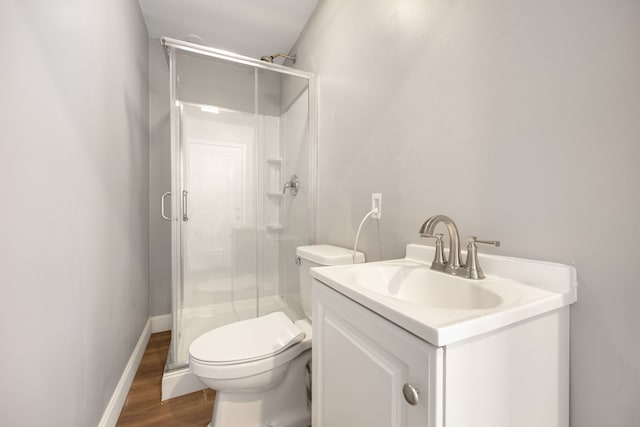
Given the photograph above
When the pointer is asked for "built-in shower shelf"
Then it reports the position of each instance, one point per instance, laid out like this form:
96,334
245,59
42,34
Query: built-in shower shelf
274,227
274,177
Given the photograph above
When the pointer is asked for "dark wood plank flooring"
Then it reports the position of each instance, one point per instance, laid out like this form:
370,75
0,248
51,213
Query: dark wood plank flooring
143,406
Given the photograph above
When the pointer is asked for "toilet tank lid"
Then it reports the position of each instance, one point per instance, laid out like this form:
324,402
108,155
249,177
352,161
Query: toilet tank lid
329,255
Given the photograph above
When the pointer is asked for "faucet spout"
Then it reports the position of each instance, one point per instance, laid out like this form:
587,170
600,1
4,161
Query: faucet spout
428,228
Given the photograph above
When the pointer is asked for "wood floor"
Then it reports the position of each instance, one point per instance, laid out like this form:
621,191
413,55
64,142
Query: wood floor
143,406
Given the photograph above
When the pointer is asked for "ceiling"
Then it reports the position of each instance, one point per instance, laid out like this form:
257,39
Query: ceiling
249,27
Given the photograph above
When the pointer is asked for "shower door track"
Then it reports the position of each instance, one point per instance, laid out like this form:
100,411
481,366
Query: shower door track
233,57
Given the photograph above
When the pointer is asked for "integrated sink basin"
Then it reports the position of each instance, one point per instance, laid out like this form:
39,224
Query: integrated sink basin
417,284
443,309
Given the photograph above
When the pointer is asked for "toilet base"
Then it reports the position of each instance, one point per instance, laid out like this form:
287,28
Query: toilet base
284,405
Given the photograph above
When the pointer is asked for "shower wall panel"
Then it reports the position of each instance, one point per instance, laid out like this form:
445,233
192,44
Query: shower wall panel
295,210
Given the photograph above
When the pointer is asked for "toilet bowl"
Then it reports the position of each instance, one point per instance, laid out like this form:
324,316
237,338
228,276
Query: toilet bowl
258,367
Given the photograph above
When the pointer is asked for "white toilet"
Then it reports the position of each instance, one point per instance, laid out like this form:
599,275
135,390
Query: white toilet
258,367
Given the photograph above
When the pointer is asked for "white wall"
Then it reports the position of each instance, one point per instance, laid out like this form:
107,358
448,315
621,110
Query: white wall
518,119
74,173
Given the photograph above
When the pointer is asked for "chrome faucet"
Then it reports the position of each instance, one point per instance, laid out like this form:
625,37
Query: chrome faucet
451,264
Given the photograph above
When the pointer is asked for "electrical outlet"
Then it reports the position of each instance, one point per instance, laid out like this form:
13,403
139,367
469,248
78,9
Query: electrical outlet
376,202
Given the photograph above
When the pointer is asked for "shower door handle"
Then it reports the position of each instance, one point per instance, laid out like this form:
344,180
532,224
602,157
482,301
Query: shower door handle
164,196
185,216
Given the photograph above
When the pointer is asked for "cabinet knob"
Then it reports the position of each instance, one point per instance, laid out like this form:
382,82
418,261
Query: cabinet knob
411,394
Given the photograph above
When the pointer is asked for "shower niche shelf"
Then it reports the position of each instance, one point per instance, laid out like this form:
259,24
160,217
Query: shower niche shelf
274,177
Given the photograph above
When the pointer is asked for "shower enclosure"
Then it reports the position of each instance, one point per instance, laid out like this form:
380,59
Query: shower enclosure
243,173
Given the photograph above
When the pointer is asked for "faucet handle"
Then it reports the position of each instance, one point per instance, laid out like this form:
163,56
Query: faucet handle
439,256
473,268
473,240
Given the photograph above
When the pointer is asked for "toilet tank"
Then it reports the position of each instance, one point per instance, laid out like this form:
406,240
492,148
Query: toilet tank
317,256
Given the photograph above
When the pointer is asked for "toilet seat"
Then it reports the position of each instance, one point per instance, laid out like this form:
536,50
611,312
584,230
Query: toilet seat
255,346
247,340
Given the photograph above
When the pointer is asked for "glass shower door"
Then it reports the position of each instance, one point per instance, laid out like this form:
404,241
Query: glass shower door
240,129
214,162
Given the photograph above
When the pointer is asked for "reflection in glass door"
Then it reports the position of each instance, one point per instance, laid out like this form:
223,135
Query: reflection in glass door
215,181
218,230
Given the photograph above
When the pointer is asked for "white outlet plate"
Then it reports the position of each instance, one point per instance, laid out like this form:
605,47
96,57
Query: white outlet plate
376,202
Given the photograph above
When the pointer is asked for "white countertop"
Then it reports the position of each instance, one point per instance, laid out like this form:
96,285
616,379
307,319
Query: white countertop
525,288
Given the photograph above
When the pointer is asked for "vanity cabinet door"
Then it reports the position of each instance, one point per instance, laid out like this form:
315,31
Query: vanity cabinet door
362,363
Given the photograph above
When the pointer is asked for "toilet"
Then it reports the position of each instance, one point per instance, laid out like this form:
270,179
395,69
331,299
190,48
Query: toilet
259,367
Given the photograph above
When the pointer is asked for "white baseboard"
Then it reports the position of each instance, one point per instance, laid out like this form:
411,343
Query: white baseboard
180,382
174,383
161,323
113,409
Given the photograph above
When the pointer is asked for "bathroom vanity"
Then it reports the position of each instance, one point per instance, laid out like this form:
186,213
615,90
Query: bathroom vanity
397,344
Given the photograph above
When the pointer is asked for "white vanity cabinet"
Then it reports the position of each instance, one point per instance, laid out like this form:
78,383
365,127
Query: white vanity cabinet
515,376
362,363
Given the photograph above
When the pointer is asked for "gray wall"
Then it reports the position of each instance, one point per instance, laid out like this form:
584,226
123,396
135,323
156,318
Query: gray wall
159,181
520,120
212,81
74,239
